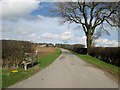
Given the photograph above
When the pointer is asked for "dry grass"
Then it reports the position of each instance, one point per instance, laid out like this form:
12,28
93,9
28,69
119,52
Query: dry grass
45,50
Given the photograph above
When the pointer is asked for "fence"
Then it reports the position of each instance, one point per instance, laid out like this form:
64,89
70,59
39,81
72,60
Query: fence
30,60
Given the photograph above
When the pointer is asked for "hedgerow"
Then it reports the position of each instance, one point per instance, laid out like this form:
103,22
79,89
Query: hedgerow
107,54
13,52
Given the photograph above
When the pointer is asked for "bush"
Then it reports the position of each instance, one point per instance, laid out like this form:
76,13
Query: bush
13,52
79,48
82,50
107,54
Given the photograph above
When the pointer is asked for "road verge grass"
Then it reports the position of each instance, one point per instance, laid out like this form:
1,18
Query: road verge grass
0,79
9,78
114,70
46,60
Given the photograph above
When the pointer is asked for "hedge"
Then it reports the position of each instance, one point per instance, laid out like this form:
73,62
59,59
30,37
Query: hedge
13,52
107,54
77,48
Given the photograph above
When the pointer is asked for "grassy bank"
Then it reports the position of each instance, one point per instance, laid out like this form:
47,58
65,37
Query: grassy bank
9,78
98,63
0,79
46,60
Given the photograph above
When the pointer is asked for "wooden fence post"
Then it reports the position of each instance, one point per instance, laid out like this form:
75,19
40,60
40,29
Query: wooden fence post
25,66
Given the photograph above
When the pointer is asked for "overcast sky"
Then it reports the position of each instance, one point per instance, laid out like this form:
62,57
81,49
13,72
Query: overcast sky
31,20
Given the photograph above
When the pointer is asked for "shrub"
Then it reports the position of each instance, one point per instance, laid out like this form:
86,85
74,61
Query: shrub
107,54
79,48
13,52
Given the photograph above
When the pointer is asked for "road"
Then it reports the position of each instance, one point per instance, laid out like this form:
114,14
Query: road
68,71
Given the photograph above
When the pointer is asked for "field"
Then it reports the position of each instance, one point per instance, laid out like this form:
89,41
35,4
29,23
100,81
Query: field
45,50
46,56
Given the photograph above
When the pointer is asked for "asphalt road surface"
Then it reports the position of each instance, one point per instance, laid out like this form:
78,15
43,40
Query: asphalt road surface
68,71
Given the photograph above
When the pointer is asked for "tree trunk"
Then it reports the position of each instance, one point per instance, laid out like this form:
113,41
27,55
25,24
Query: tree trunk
89,41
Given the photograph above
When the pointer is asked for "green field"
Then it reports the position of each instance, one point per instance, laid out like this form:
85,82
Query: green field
98,63
9,78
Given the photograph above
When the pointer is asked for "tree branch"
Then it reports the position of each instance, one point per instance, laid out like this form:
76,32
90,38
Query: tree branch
84,15
78,18
91,12
110,23
84,29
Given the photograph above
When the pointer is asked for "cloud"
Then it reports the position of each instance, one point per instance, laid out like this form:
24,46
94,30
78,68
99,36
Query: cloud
64,36
50,35
46,29
24,30
67,35
106,43
16,8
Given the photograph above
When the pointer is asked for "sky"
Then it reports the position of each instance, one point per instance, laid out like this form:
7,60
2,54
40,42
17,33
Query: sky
30,20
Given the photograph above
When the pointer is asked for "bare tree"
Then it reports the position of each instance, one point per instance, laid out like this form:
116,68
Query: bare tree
89,15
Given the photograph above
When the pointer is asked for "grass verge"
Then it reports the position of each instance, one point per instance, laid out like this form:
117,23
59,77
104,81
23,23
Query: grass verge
46,60
9,78
100,64
0,79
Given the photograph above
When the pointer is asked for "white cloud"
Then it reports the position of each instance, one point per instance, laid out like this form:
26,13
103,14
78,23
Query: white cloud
0,10
32,35
67,35
107,43
47,29
50,35
21,30
64,36
15,8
